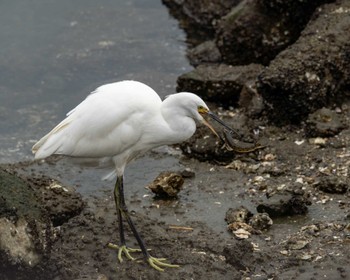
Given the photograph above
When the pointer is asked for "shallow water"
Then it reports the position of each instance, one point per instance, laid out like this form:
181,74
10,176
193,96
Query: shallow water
53,53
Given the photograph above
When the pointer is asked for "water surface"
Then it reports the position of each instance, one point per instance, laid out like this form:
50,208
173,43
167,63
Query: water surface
53,53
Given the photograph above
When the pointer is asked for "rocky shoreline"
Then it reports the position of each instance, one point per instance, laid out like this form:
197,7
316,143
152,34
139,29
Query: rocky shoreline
280,68
295,55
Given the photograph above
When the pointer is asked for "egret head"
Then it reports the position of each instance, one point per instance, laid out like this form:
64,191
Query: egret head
203,112
191,105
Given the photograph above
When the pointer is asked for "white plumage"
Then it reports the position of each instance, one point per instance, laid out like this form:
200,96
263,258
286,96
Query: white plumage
121,120
116,123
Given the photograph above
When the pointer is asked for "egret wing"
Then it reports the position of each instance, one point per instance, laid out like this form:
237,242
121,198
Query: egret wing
108,122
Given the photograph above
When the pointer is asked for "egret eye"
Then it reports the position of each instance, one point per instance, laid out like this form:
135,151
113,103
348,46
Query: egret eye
202,110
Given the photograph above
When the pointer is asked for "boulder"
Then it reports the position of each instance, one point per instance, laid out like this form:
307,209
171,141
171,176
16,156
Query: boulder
219,82
29,213
198,17
314,72
256,31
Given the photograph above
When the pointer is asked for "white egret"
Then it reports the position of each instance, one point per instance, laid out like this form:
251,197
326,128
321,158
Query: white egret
119,121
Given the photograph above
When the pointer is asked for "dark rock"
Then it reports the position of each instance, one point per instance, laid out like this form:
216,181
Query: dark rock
219,82
205,146
242,223
312,73
167,184
261,221
256,31
334,184
240,214
61,204
188,173
286,204
206,52
26,233
27,218
198,17
250,100
323,123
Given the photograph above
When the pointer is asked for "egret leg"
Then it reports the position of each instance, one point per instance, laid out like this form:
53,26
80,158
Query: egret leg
122,211
122,249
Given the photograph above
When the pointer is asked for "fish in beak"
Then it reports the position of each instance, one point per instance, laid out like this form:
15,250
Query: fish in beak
213,116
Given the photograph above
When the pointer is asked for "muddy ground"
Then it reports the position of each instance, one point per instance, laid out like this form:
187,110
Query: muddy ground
299,178
312,244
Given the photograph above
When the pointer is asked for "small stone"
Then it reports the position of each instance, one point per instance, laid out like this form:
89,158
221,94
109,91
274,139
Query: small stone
167,184
261,221
269,157
237,165
305,257
299,142
296,244
239,225
334,184
242,233
318,141
187,173
310,229
258,179
240,214
324,123
299,180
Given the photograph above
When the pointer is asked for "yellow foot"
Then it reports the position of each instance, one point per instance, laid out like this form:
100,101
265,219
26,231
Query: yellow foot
123,249
158,262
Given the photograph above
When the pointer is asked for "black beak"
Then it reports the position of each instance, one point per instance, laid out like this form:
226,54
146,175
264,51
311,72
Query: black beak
217,119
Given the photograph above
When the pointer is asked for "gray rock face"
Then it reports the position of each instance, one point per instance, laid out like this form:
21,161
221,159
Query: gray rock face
199,17
312,73
25,229
218,82
256,31
28,216
303,44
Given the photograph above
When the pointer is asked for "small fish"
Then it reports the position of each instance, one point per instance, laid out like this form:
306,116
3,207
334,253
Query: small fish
239,146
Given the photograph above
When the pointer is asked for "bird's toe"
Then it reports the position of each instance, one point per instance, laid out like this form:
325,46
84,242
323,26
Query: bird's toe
123,249
158,263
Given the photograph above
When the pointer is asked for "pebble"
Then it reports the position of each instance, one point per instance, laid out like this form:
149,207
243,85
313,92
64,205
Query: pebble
167,184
